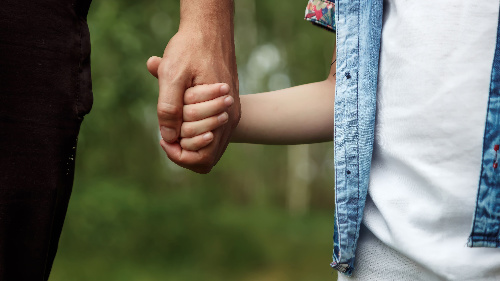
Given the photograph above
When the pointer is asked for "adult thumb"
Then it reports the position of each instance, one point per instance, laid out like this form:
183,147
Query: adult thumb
152,64
170,102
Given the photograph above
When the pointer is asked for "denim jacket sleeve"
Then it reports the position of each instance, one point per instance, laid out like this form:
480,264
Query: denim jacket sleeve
322,13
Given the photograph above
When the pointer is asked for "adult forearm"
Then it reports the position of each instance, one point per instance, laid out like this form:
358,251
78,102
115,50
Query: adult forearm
201,52
302,114
210,21
214,14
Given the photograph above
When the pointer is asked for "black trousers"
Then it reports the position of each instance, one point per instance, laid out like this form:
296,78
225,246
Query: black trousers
45,90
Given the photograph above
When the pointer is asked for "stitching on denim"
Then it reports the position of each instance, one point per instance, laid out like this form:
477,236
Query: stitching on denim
339,237
496,56
345,147
357,129
346,152
480,174
493,242
339,234
486,237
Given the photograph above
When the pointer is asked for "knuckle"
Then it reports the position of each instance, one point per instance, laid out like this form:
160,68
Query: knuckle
192,113
190,97
187,131
173,158
167,70
169,111
213,122
184,144
200,142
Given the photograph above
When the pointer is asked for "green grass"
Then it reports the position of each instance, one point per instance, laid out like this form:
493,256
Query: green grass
118,232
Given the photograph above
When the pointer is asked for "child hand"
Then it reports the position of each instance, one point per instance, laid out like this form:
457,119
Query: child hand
204,111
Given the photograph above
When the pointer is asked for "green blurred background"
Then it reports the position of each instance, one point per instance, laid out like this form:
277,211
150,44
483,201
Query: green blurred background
263,213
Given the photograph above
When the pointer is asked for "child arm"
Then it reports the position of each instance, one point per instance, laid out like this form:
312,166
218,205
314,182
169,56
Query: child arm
297,115
302,114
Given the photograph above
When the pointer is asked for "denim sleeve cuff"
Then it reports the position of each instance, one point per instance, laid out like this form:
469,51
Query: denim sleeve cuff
322,13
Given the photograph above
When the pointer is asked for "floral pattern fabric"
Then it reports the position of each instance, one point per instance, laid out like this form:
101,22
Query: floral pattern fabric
321,12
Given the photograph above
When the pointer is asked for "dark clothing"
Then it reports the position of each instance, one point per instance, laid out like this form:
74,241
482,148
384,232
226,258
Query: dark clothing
45,90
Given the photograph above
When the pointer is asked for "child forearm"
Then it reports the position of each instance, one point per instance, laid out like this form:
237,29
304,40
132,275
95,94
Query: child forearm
297,115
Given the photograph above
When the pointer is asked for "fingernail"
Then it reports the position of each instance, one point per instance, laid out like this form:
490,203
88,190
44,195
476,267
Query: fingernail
228,101
224,89
207,136
168,134
223,117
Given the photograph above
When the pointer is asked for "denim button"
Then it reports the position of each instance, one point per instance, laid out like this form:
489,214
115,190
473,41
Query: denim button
348,75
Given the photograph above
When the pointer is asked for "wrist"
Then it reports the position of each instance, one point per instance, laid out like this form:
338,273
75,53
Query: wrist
238,135
215,16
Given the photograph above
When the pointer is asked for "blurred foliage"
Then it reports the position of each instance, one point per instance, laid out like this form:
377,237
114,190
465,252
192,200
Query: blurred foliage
136,216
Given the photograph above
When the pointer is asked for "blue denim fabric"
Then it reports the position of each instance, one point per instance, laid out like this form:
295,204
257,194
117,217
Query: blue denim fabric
486,224
358,26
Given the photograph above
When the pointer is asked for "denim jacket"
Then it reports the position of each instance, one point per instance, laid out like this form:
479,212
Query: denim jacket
358,27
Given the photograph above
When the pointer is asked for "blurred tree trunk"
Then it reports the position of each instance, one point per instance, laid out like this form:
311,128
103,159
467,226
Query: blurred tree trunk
299,177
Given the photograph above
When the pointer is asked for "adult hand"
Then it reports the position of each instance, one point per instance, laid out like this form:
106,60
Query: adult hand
201,52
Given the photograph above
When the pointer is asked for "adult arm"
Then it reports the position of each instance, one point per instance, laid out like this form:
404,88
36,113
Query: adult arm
201,52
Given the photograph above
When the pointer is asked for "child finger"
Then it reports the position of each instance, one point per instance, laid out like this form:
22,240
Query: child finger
191,129
197,142
199,111
201,93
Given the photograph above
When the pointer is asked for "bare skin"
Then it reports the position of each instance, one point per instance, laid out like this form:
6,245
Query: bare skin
297,115
201,52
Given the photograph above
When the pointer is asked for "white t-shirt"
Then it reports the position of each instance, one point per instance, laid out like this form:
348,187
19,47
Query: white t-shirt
434,77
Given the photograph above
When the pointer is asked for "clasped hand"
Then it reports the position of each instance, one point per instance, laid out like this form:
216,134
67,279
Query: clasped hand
196,116
205,110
